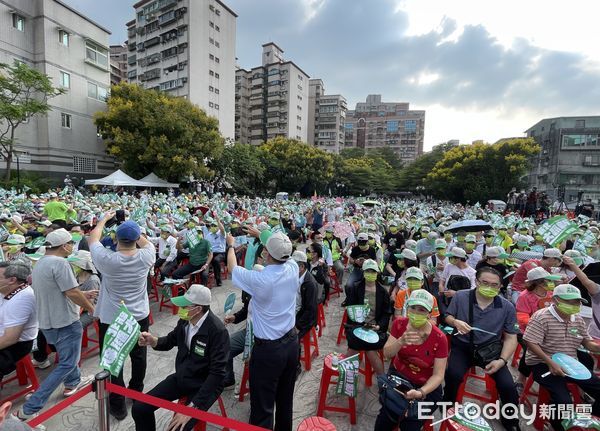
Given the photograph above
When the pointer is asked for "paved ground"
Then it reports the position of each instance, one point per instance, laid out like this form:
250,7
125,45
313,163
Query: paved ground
83,414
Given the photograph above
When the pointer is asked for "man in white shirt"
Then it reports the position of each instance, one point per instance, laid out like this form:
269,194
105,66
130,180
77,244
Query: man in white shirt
473,256
18,317
457,266
167,251
274,356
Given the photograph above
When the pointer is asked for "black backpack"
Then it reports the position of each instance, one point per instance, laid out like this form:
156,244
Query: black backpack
458,282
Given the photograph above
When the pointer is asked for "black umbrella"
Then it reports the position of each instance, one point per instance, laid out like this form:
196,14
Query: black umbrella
469,226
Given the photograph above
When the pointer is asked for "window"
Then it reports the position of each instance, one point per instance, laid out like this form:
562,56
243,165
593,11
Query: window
211,105
211,73
65,80
580,124
216,106
85,165
18,22
410,126
216,59
211,88
95,54
218,12
216,91
63,37
211,40
217,75
212,24
97,92
392,126
299,87
212,57
349,126
217,28
217,44
65,120
580,141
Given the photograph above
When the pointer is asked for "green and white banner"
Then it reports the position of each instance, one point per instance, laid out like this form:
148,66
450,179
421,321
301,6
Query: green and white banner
556,229
121,337
347,383
358,313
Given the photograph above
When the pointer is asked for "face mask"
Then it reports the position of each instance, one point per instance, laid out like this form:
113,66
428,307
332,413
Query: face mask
460,239
371,277
441,252
550,285
568,309
234,226
488,292
502,232
76,237
539,238
273,222
488,240
329,235
371,242
13,249
417,320
448,236
113,235
41,229
183,313
413,284
400,263
191,225
77,270
309,255
364,247
213,230
393,229
470,246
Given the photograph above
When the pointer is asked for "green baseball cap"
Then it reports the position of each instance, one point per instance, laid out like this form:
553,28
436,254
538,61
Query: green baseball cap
568,291
421,297
370,264
414,272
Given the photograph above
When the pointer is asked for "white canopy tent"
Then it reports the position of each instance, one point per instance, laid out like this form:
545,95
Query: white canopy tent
117,178
153,180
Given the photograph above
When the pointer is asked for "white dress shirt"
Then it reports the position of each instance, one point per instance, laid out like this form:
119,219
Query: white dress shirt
192,329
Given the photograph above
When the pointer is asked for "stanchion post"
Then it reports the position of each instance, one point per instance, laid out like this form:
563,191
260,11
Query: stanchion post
102,396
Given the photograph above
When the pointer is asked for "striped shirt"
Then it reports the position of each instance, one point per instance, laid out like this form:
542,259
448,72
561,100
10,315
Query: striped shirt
553,334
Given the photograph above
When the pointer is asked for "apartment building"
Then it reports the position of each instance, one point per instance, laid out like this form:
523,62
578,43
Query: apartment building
327,118
569,158
271,99
118,63
186,48
72,50
377,124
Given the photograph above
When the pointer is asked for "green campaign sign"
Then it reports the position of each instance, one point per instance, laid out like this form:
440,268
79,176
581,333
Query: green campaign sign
347,383
229,303
121,337
556,230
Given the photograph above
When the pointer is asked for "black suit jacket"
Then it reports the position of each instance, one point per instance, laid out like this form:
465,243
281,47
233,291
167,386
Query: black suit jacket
383,303
306,317
201,368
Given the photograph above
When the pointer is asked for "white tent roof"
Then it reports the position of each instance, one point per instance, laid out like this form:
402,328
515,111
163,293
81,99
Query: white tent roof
153,180
117,178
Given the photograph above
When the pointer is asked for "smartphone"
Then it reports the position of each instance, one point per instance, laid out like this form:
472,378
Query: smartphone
120,216
402,388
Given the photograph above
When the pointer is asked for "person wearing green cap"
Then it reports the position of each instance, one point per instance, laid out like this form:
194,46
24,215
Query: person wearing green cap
370,290
559,328
592,288
414,281
419,353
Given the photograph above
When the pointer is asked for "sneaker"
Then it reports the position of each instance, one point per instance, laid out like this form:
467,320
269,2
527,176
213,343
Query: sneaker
67,392
119,413
41,365
21,416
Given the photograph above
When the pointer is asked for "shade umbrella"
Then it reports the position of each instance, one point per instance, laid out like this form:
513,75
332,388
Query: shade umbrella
340,229
469,226
371,203
526,255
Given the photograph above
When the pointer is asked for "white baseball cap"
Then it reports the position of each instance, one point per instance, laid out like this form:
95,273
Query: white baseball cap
538,273
279,246
197,294
553,252
58,237
299,256
457,252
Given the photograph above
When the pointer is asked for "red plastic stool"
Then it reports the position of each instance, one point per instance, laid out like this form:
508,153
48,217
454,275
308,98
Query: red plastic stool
165,300
368,371
516,356
316,424
244,386
25,375
224,271
195,277
326,380
490,386
309,340
85,340
342,331
321,318
201,426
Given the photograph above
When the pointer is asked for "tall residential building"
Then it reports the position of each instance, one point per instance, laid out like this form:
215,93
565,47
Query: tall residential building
186,48
118,63
569,157
327,116
377,124
271,99
72,50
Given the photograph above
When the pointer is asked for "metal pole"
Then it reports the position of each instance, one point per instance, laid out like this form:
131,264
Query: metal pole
102,396
18,175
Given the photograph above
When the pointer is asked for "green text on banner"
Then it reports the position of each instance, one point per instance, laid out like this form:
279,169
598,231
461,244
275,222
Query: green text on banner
121,337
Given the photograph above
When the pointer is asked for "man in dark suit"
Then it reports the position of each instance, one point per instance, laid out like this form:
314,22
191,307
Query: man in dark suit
203,348
306,301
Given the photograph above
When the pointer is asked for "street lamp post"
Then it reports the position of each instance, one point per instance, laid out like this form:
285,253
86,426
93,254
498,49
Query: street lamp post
18,174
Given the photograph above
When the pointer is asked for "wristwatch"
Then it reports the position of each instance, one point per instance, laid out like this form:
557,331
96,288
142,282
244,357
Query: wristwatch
505,361
227,248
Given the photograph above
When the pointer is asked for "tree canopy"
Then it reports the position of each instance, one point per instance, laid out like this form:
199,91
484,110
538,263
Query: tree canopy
150,131
24,92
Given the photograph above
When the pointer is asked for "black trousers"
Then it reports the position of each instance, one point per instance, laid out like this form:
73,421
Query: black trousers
461,359
272,379
138,366
187,269
559,394
216,265
168,389
11,354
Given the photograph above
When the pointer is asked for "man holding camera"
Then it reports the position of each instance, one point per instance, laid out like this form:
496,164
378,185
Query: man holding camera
124,280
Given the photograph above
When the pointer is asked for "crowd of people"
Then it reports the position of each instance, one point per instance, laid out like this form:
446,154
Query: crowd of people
493,281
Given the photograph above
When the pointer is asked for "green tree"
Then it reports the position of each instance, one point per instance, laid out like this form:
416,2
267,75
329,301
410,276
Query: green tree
24,92
387,154
150,131
240,165
481,171
352,153
414,174
295,166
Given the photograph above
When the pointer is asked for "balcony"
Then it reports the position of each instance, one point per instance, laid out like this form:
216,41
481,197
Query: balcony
152,42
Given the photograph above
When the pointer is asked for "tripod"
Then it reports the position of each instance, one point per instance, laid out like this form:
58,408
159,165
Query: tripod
562,206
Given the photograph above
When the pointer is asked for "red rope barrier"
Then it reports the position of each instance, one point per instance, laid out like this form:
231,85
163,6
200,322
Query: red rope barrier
185,410
60,406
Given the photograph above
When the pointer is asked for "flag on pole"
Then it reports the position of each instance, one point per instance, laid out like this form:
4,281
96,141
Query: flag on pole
121,337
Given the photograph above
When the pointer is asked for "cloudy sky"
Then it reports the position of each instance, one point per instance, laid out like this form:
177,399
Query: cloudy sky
480,69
